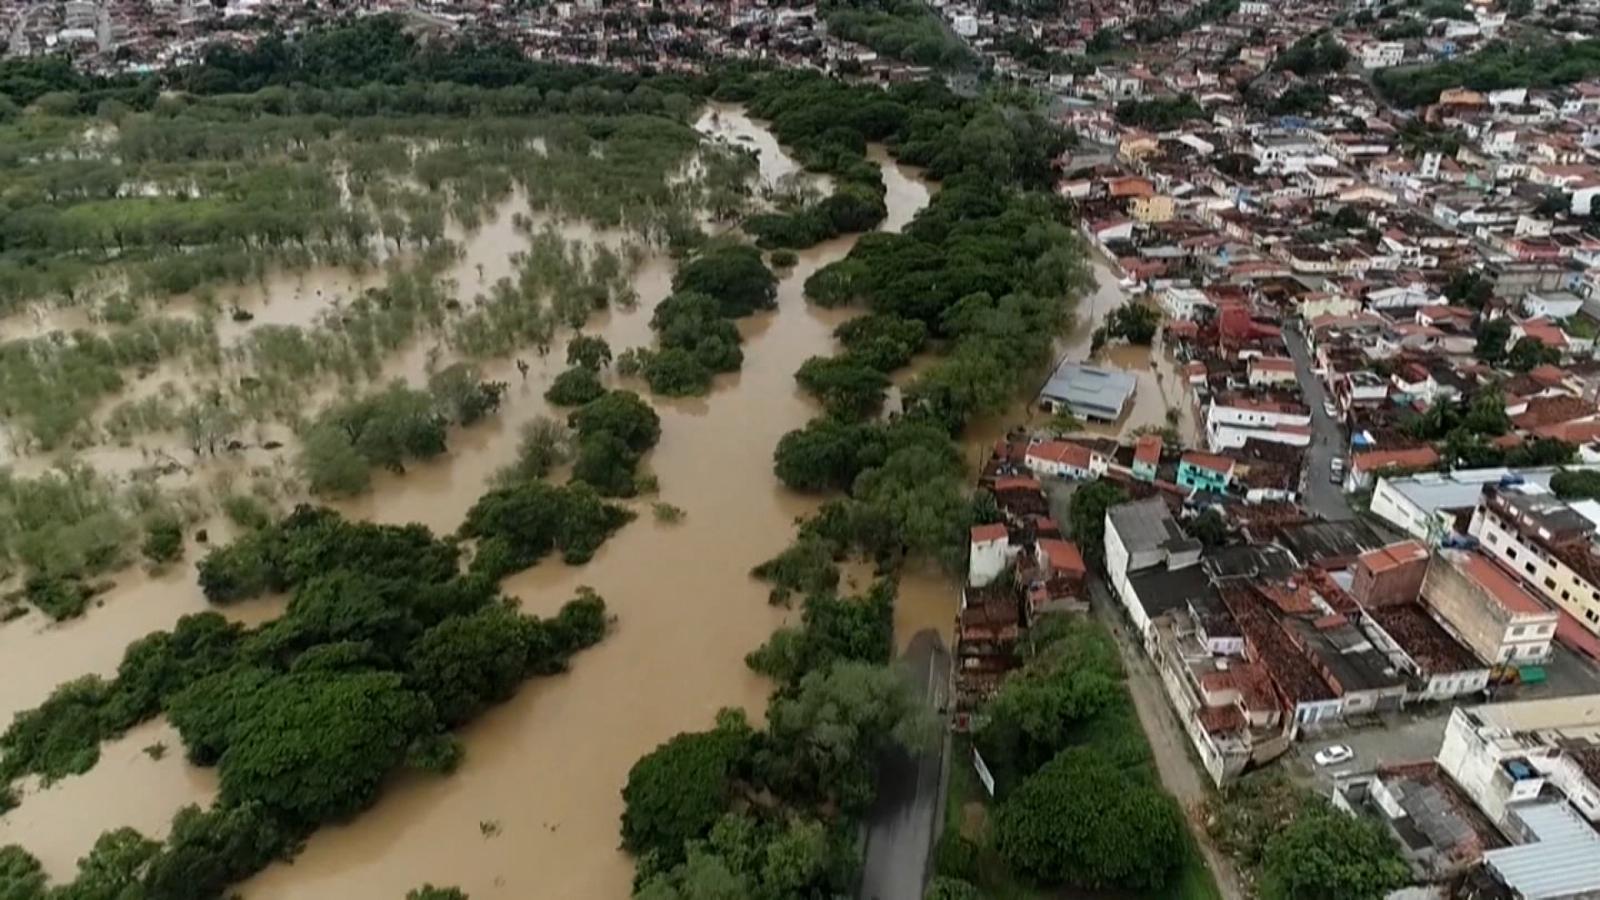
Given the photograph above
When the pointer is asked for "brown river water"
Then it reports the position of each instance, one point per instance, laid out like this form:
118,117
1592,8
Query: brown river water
533,811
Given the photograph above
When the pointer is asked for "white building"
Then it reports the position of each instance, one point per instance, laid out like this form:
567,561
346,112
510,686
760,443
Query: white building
1143,537
1507,753
1383,54
989,554
1547,543
1183,303
1486,609
1064,459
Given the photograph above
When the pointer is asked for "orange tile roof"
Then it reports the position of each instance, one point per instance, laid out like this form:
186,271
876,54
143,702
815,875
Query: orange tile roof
1398,554
1062,452
984,533
1063,555
1208,461
1501,586
1147,449
1373,460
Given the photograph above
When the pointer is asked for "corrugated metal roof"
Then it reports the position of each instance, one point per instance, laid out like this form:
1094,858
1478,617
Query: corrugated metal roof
1562,861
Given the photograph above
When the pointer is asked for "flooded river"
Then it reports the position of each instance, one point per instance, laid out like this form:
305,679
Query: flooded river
533,811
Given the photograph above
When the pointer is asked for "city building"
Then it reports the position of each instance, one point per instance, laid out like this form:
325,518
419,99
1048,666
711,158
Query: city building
1550,546
1088,392
1488,609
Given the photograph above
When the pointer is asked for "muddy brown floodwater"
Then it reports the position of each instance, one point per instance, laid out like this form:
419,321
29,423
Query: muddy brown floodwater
534,810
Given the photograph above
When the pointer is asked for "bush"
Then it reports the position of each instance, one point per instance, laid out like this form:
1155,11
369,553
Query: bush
56,596
678,791
436,754
575,387
589,352
163,539
734,276
429,892
606,463
247,512
544,444
784,259
527,521
674,372
847,387
623,414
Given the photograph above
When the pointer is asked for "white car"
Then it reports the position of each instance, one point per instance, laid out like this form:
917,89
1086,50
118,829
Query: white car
1334,754
1330,409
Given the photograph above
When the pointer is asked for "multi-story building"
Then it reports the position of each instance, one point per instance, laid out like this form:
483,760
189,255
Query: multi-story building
1547,543
1205,471
1485,606
1507,753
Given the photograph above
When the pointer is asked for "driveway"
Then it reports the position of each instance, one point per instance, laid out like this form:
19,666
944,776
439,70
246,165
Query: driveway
1327,440
900,826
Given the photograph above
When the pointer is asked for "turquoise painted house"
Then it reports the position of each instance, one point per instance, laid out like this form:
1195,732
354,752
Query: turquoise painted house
1205,471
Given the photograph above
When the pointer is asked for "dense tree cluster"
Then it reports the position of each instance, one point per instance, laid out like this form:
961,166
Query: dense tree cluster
391,427
1576,484
613,432
1313,55
382,649
516,526
1497,66
814,762
1160,113
899,29
831,628
1069,759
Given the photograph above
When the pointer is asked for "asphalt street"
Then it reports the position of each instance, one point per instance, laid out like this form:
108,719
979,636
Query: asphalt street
1320,495
902,823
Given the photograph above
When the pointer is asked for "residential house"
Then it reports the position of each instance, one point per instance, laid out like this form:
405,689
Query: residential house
1064,459
1205,471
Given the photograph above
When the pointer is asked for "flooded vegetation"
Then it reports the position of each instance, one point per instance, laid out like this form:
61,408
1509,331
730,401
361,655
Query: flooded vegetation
523,363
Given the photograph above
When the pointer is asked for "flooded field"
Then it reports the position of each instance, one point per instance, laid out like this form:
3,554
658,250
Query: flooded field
533,811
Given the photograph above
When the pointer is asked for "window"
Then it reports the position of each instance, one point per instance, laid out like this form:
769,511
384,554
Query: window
1528,567
1511,553
1550,583
1565,596
1516,631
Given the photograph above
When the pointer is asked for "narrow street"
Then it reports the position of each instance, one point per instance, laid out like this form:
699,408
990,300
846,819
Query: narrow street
1168,743
1320,495
901,825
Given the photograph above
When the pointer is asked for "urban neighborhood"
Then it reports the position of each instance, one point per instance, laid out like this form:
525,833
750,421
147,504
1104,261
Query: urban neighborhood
1282,571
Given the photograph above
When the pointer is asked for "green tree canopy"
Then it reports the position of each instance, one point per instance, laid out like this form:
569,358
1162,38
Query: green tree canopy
1325,853
1080,821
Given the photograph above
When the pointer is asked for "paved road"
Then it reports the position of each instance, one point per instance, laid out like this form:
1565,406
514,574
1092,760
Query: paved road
1168,742
903,822
1320,495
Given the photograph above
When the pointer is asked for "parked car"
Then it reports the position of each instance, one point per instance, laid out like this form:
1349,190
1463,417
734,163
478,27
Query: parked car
1334,754
1330,409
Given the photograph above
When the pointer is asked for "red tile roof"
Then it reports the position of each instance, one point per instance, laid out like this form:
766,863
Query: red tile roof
984,533
1385,558
1147,449
1208,461
1272,364
1544,411
1545,332
1064,452
1548,375
1063,556
1415,457
1500,585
